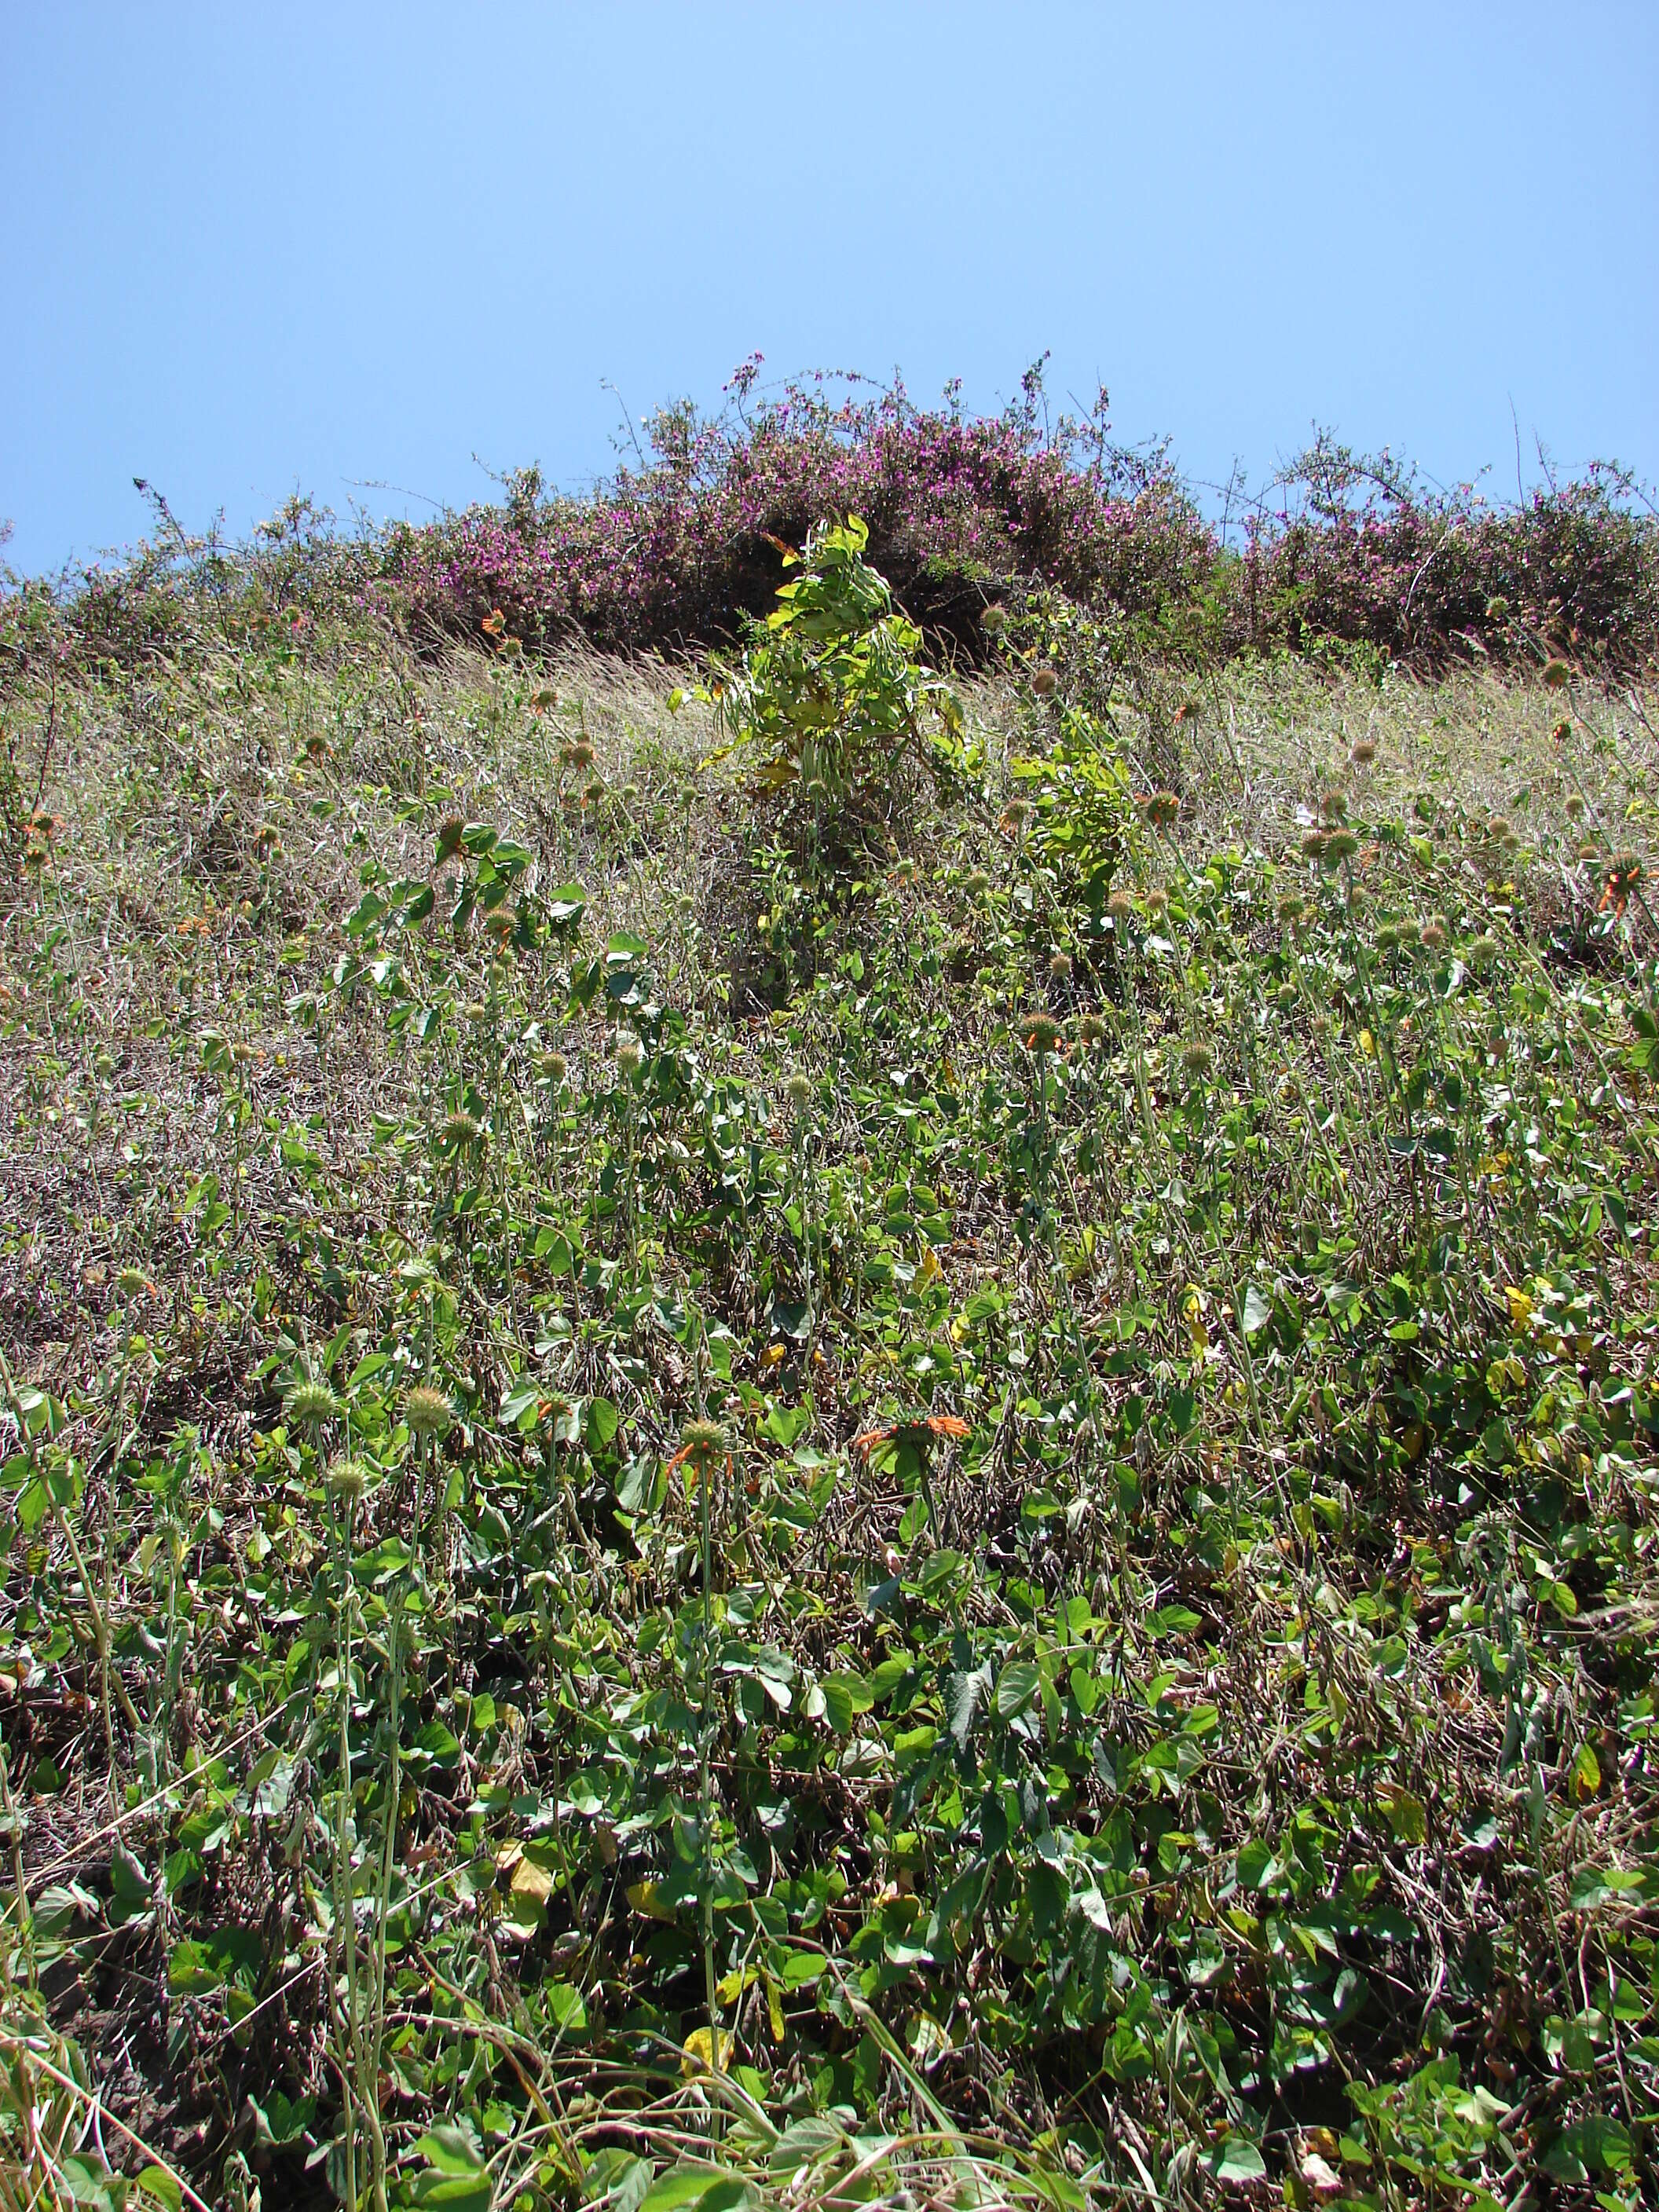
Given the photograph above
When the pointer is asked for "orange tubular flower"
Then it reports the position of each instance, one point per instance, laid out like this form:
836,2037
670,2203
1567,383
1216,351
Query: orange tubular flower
938,1425
1624,874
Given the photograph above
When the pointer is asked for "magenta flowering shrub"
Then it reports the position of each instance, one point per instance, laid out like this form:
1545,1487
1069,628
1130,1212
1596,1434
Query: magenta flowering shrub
684,544
674,552
1359,552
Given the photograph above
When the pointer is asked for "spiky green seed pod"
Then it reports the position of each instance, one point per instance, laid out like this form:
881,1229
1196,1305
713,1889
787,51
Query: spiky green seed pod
1158,902
1039,1034
347,1481
1120,905
309,1404
427,1412
1333,805
552,1068
132,1283
1286,996
1339,845
1557,674
629,1054
1434,934
1196,1059
798,1093
1575,806
1091,1030
1362,752
459,1129
977,884
1060,968
703,1442
1044,682
1481,951
1313,844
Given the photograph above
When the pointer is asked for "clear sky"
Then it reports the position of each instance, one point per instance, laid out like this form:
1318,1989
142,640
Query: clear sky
245,247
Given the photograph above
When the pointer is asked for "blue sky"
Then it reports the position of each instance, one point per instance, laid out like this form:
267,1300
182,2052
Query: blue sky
248,247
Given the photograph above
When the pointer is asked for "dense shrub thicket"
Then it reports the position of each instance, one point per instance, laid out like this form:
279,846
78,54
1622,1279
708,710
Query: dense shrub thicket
684,543
961,507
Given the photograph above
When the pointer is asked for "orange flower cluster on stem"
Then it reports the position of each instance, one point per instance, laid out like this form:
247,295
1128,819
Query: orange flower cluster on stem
939,1424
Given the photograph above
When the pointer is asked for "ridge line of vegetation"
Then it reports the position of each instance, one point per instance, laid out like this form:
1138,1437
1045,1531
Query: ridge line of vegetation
1341,555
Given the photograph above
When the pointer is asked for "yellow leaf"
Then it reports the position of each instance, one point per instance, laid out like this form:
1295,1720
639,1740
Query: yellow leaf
530,1884
930,1266
1368,1044
772,1355
701,2056
644,1899
1520,1305
775,2011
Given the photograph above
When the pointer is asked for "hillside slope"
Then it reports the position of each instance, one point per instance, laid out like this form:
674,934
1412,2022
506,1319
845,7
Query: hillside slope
957,1500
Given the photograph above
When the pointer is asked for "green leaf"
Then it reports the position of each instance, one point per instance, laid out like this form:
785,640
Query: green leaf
1235,2159
1597,2144
704,2187
277,2120
452,2149
1173,1621
1016,1686
1258,1311
965,1695
435,1745
1408,1816
600,1425
616,2180
210,1960
455,2192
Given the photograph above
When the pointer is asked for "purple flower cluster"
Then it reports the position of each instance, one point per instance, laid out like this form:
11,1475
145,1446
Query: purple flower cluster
672,553
1365,555
677,549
